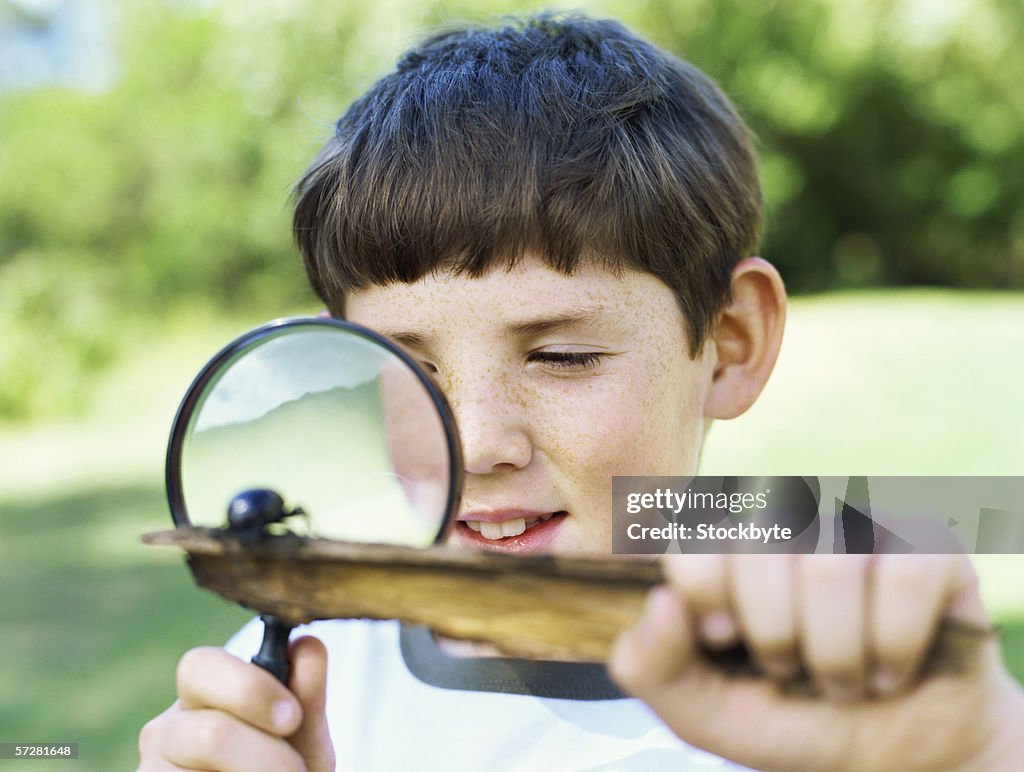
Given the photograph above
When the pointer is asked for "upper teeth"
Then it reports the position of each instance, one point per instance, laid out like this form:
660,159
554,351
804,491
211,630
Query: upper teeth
505,528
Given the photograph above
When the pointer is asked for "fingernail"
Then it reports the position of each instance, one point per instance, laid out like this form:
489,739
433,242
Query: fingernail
283,714
718,628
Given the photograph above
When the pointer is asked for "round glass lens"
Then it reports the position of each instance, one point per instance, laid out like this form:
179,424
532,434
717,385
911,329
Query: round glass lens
333,419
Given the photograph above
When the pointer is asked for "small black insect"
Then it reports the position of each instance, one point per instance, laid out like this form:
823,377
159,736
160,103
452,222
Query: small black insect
251,511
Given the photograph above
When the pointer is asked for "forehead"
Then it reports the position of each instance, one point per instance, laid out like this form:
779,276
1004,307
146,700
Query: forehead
529,292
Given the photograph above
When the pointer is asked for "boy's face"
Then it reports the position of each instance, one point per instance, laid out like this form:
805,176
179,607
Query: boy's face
557,383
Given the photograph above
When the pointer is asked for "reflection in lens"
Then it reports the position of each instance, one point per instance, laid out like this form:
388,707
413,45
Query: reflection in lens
332,421
415,439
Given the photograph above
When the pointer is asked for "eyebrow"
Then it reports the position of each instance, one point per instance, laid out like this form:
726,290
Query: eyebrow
413,339
522,329
580,318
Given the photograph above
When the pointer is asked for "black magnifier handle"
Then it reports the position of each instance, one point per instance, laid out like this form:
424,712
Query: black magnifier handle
248,514
273,653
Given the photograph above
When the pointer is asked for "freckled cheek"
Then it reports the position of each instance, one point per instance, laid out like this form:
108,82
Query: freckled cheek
632,428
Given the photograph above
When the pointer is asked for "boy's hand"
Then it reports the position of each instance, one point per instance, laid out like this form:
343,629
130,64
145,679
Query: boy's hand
860,625
232,715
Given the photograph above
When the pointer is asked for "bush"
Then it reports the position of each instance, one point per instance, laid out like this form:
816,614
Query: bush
889,135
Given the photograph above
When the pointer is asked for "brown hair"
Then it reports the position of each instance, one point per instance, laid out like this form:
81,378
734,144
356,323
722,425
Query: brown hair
563,135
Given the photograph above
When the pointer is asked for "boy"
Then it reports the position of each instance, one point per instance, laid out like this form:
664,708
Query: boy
557,219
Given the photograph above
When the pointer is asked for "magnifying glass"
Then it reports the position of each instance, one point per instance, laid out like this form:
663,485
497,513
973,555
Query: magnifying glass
319,428
313,472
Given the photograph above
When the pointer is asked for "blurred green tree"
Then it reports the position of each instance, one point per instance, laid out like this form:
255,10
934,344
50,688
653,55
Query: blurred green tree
889,132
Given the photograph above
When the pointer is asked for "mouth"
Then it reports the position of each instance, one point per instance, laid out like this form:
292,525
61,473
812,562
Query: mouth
509,531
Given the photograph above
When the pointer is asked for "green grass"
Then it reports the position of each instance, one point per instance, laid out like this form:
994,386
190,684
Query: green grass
921,382
92,623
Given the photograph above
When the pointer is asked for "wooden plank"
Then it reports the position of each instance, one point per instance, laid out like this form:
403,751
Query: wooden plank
533,606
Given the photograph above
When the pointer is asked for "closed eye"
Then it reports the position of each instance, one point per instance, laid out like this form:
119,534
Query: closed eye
567,359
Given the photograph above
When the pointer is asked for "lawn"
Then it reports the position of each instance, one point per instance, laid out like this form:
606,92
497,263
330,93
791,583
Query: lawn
92,623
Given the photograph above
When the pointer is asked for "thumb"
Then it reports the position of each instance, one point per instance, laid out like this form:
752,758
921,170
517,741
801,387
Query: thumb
308,682
658,660
658,650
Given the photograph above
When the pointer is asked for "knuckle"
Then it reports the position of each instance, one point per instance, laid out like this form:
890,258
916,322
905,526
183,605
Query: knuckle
700,578
153,732
213,732
188,665
909,576
148,736
828,570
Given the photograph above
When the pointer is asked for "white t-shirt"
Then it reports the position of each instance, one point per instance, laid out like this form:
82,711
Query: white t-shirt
396,701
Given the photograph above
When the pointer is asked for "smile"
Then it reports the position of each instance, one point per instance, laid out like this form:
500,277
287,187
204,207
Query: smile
509,530
506,528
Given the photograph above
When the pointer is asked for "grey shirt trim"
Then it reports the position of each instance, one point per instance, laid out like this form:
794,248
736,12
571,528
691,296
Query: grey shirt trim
428,662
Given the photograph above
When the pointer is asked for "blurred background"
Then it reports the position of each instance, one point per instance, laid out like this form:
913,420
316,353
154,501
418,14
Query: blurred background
147,153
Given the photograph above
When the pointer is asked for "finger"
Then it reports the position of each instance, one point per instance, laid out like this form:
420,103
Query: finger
762,590
910,595
831,611
212,739
309,684
211,678
150,759
701,581
965,604
657,649
658,661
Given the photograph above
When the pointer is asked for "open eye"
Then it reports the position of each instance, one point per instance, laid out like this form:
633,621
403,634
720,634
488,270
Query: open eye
567,359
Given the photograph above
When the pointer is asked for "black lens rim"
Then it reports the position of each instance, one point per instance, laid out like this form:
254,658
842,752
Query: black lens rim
212,369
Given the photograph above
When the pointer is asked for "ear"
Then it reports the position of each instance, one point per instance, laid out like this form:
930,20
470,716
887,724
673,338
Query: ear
746,338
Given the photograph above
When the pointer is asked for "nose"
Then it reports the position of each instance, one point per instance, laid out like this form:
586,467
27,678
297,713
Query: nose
492,425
